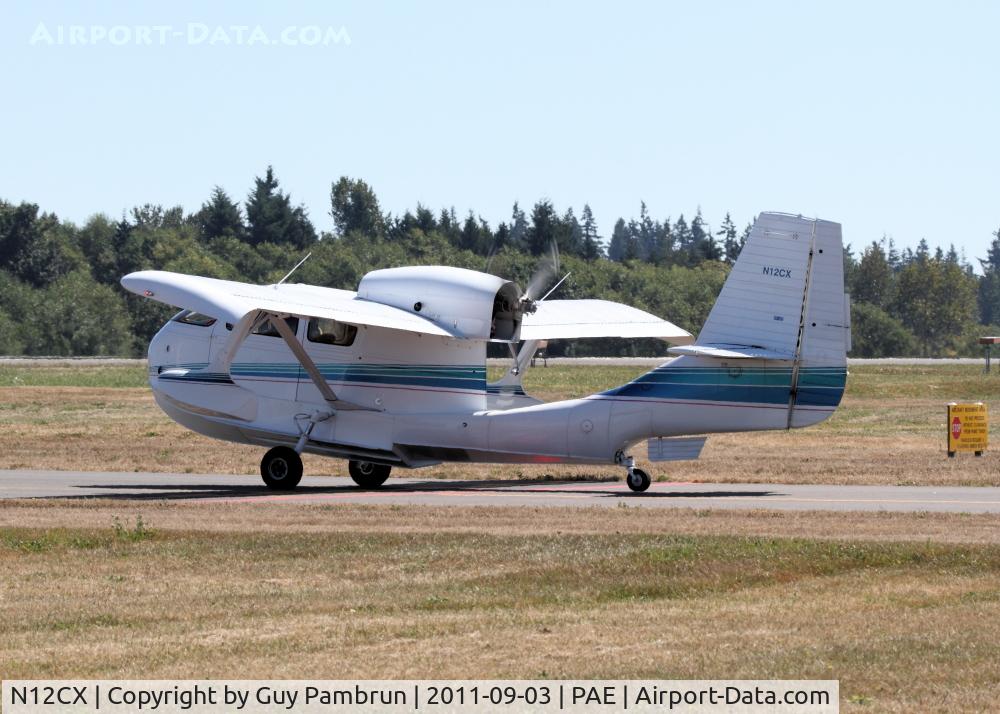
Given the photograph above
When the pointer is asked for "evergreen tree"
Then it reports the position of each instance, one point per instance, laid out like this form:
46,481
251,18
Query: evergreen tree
354,208
989,285
501,238
271,218
571,234
923,251
619,241
476,235
892,255
544,228
518,228
591,241
449,227
703,243
646,232
663,245
220,217
399,229
425,219
683,241
872,282
731,244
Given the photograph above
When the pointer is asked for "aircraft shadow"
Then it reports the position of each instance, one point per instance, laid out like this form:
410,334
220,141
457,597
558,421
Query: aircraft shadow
195,492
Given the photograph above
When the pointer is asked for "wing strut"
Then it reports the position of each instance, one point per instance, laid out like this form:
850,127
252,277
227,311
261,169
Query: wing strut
308,365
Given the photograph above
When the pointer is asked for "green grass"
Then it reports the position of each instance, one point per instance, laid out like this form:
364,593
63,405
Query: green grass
116,376
947,382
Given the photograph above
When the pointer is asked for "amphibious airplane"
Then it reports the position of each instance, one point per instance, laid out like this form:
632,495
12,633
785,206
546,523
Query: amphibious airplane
395,373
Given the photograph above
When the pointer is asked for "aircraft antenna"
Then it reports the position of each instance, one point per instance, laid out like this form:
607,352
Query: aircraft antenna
293,270
556,286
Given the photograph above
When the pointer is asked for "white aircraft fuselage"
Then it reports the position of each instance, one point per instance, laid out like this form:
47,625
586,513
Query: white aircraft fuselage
772,355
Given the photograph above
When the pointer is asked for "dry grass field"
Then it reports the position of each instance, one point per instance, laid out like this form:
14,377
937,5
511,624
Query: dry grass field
383,592
889,430
903,609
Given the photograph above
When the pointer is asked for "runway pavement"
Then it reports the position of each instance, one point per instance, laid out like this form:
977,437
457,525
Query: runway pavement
204,488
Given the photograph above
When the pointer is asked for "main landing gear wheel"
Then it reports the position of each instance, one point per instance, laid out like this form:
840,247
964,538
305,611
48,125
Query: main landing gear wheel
281,468
368,475
638,480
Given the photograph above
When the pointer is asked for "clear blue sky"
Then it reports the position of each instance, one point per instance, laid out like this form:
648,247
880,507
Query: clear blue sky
881,115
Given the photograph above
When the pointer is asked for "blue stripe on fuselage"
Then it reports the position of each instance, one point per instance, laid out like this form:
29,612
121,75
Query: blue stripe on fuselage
471,378
817,386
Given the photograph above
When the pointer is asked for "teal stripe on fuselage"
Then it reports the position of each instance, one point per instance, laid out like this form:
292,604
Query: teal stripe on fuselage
470,378
817,386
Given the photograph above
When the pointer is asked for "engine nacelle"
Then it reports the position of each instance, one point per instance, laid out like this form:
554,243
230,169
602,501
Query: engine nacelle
475,305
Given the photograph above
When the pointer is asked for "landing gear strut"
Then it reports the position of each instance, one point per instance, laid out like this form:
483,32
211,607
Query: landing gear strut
281,468
368,475
637,479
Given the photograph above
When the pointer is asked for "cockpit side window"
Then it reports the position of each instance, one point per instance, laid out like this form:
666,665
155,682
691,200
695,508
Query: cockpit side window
269,330
331,332
190,317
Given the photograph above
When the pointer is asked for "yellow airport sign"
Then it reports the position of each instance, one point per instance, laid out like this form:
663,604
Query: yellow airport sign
968,428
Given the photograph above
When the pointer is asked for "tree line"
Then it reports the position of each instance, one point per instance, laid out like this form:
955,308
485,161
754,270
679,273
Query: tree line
60,295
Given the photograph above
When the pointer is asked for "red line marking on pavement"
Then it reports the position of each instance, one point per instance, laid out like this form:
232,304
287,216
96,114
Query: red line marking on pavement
303,497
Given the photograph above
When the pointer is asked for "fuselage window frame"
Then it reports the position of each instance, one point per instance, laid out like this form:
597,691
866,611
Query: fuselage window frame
194,318
266,329
316,336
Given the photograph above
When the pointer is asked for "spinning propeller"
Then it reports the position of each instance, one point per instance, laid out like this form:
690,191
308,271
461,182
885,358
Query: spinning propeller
546,271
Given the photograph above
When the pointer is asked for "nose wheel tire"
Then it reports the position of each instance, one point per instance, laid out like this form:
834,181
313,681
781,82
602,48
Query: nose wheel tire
368,475
638,480
281,468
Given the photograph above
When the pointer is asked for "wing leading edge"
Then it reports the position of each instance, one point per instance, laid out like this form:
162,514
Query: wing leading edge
231,301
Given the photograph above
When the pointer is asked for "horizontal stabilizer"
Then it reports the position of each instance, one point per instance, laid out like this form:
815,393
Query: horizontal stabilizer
730,352
676,449
571,319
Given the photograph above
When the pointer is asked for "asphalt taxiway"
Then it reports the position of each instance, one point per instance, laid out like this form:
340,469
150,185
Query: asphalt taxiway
321,489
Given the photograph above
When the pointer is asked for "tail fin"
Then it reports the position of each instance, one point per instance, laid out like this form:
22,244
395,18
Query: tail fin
783,314
785,294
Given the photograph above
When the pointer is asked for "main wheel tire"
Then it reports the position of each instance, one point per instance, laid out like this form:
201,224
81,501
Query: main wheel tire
368,475
281,468
638,480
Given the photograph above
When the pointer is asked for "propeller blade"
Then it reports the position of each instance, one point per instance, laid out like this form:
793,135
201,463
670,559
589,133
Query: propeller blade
545,272
490,256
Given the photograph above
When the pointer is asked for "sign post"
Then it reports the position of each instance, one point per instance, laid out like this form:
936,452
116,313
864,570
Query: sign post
989,342
968,428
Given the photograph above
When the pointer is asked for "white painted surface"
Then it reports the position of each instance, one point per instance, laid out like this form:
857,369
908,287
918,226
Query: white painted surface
563,319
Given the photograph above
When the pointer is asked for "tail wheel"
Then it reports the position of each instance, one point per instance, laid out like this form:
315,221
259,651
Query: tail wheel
367,474
638,480
281,468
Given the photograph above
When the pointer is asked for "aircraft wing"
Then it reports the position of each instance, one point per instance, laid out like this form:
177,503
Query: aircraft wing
231,301
564,319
